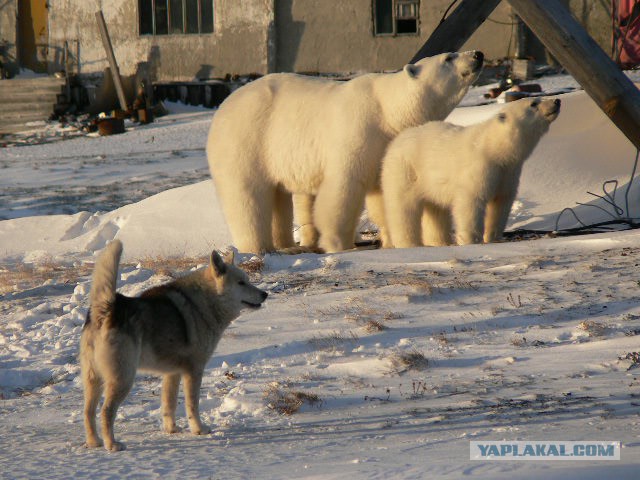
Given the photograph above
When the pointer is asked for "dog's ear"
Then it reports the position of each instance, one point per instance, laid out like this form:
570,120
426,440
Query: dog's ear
230,257
217,265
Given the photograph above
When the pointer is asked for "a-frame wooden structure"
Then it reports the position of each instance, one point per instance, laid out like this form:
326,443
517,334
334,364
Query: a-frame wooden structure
567,41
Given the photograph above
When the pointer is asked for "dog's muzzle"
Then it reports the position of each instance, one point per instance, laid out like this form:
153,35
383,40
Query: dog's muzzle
256,305
252,305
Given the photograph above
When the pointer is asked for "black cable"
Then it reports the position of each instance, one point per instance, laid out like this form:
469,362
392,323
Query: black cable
446,12
621,216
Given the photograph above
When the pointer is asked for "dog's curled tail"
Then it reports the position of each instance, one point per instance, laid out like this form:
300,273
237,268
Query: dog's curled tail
103,286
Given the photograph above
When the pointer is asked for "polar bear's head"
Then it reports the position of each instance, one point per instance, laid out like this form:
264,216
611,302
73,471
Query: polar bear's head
512,135
441,81
534,114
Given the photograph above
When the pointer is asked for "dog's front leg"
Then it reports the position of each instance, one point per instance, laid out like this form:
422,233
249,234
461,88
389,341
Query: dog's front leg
170,384
192,382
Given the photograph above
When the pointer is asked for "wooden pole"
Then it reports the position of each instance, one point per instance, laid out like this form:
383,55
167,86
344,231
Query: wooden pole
113,65
583,58
451,34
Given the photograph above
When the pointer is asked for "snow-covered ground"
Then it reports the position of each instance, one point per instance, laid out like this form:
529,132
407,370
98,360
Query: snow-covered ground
399,357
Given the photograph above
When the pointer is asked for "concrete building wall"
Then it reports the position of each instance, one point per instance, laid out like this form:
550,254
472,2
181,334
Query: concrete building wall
9,34
338,36
239,43
595,16
262,36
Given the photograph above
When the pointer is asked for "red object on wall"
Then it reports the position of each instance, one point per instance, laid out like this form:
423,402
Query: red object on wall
626,32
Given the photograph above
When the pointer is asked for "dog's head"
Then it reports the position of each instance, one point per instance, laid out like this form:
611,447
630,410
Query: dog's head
233,285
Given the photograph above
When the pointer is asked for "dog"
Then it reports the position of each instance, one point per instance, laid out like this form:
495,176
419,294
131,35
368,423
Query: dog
171,330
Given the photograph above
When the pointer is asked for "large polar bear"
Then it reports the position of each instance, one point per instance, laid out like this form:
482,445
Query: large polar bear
323,139
468,175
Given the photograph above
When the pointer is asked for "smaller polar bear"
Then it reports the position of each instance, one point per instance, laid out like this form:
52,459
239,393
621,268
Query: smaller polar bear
440,177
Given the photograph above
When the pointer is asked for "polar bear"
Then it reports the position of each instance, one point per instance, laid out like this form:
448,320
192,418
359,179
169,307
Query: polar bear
462,178
322,139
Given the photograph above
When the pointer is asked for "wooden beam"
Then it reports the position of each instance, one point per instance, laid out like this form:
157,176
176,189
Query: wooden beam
583,58
113,65
457,28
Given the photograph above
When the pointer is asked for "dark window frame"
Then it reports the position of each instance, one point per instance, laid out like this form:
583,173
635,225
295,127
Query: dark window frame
150,11
399,22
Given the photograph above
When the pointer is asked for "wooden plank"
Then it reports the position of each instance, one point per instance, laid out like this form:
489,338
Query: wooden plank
583,58
457,28
113,65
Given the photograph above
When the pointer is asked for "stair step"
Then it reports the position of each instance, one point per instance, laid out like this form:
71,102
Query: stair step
16,128
7,122
35,82
17,125
30,89
27,97
34,107
20,116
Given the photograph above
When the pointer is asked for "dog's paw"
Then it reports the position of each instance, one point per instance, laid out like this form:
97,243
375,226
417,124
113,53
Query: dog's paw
170,429
115,447
96,443
201,430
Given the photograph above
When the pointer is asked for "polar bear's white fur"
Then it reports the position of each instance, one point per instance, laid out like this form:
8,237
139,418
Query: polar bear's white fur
289,134
442,177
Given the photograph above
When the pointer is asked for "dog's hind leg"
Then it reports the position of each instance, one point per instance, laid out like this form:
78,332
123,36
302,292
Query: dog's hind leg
191,385
115,393
92,392
170,385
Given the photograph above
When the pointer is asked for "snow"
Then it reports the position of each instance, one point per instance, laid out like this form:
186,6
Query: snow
522,340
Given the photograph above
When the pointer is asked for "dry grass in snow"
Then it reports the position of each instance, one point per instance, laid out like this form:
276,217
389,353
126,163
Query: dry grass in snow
285,400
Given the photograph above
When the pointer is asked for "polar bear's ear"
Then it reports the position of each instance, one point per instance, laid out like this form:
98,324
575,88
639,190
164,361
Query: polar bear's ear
412,70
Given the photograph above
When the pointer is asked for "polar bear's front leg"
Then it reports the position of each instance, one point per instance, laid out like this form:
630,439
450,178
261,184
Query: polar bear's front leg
499,207
436,226
496,218
403,216
468,218
248,211
375,212
303,210
336,211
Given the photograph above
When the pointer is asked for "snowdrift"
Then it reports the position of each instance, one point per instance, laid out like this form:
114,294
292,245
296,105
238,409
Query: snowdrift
582,150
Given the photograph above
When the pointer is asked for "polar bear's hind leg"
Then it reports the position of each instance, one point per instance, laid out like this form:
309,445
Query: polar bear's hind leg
303,210
282,227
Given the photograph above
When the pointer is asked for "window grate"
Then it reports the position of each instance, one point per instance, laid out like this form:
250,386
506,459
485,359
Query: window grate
396,17
175,17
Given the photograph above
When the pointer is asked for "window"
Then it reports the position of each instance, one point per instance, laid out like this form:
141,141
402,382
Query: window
175,17
396,17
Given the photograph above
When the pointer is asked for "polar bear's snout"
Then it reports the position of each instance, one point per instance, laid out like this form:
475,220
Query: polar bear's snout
476,65
479,58
551,109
